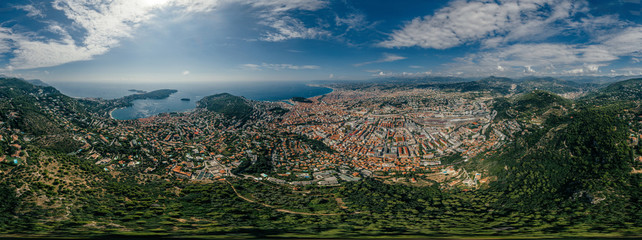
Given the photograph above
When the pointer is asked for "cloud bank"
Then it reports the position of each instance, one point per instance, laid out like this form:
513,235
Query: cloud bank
515,36
105,24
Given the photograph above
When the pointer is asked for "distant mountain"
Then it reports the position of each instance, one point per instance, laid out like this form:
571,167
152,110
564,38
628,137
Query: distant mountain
492,83
504,85
227,104
625,90
597,79
549,84
554,85
38,82
628,90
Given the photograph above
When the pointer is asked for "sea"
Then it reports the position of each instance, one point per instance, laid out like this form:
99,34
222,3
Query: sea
261,91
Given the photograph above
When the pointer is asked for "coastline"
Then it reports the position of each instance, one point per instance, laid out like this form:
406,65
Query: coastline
309,85
312,85
111,112
320,86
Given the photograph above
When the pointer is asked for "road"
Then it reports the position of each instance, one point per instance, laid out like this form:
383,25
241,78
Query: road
279,209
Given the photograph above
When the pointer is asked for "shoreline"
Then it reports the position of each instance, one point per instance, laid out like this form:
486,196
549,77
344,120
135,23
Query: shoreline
111,112
309,85
273,101
320,86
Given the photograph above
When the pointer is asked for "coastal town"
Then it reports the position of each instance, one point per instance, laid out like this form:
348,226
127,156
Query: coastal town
416,136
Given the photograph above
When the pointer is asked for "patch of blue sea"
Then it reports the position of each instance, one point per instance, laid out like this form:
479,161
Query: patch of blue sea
264,91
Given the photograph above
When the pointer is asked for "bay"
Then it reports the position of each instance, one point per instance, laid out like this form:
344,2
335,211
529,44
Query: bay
261,91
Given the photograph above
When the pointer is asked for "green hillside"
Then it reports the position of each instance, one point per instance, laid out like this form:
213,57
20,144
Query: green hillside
41,112
629,90
227,104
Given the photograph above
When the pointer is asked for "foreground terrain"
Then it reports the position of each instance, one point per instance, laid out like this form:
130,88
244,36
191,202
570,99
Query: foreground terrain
494,157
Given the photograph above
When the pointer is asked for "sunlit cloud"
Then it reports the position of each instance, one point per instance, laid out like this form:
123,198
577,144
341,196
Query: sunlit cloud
278,67
387,57
106,23
32,11
494,22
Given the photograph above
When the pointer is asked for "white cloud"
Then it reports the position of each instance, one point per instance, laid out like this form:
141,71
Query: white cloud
31,10
288,28
465,21
401,74
5,40
290,67
550,57
630,71
586,69
387,57
274,14
354,21
250,66
626,42
331,76
593,68
513,35
186,72
575,71
288,5
278,67
105,24
391,57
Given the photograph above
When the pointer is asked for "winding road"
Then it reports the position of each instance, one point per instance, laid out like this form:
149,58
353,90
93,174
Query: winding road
279,209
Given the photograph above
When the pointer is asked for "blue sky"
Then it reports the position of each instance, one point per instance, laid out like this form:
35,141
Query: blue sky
139,41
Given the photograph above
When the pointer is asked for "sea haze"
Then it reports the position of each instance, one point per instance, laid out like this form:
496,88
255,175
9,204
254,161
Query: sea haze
262,91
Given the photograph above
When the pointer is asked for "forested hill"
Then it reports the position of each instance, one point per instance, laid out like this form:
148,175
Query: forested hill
156,94
41,112
628,90
569,154
227,104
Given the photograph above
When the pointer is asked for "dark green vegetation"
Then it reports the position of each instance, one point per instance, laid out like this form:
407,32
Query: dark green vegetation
567,172
278,110
157,94
262,164
127,101
42,112
316,145
301,99
629,90
535,104
229,105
